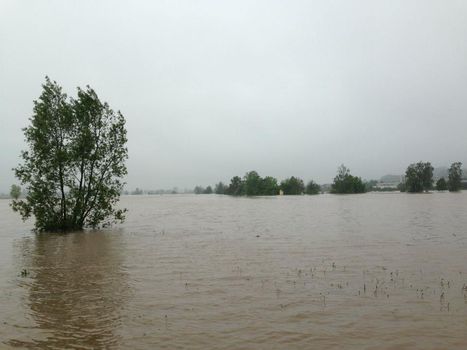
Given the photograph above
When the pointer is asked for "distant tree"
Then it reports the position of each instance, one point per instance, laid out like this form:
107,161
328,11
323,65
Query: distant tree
441,185
15,191
312,188
252,183
236,187
292,186
199,190
208,190
455,176
75,162
137,192
419,177
344,183
220,188
269,186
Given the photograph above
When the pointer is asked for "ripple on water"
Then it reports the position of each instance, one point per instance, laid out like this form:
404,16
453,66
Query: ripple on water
333,272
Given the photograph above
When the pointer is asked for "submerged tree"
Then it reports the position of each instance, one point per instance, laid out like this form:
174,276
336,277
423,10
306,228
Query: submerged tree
199,190
293,186
74,163
312,188
15,191
207,190
441,185
236,187
252,183
419,177
455,176
344,183
269,186
220,188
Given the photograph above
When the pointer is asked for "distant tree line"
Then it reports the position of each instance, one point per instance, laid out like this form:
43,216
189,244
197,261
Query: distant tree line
419,178
252,184
202,190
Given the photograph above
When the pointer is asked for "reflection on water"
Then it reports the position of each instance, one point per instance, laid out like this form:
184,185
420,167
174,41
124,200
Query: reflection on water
76,289
386,271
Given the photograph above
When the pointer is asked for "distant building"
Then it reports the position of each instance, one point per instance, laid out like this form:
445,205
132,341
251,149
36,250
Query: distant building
388,185
390,181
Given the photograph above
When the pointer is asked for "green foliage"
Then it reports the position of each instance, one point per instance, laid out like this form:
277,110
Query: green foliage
220,188
312,188
208,190
269,186
15,191
455,176
74,162
293,186
419,177
344,183
252,184
441,185
236,187
199,190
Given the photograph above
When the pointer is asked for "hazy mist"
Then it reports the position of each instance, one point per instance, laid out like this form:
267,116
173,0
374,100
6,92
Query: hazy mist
212,89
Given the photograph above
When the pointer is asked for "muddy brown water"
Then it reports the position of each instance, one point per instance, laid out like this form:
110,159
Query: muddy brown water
373,271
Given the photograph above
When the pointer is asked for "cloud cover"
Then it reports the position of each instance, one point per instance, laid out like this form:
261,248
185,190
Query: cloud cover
212,89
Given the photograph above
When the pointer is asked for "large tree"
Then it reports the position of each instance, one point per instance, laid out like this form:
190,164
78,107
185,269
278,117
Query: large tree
455,176
74,163
419,177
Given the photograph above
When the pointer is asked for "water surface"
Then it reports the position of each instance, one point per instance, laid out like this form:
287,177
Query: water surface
386,271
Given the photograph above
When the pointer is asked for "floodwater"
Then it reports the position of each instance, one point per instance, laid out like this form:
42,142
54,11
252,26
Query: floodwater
372,271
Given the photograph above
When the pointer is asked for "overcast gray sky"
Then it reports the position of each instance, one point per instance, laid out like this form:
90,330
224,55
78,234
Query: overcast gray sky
212,89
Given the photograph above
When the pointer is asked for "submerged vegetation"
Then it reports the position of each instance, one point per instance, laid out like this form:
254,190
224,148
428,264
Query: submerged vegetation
15,191
293,186
344,183
312,188
74,163
419,177
441,184
253,184
455,176
72,170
